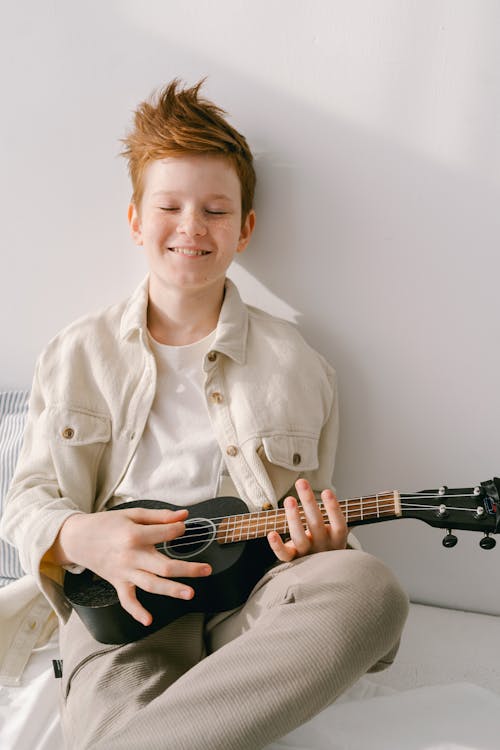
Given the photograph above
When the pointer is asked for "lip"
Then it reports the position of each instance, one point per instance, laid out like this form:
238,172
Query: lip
193,248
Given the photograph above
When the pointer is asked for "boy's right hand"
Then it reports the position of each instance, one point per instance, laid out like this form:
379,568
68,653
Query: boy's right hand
119,546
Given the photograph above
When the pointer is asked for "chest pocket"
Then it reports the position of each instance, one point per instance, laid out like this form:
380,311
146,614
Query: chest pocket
295,452
285,457
73,427
77,439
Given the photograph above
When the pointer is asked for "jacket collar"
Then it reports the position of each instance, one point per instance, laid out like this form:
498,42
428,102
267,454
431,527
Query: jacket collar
134,317
232,327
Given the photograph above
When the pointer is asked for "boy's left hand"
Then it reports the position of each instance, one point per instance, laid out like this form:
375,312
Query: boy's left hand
320,536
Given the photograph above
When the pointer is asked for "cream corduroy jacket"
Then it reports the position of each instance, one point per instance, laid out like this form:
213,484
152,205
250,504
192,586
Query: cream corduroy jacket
274,415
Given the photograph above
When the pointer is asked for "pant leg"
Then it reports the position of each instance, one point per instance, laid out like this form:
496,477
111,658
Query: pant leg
315,570
104,686
309,630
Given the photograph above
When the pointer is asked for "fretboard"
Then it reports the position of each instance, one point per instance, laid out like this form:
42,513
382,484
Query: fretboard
239,528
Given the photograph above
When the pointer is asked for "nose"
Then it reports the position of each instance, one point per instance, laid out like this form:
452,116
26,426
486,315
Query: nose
192,223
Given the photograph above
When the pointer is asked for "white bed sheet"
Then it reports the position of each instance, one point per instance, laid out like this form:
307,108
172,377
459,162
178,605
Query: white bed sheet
29,714
370,716
459,716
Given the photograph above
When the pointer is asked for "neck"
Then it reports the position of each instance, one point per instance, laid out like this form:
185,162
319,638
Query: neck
180,317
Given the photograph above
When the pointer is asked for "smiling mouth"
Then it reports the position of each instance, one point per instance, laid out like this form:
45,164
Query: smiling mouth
189,251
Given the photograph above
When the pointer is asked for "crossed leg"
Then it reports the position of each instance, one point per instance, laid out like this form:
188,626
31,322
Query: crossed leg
308,631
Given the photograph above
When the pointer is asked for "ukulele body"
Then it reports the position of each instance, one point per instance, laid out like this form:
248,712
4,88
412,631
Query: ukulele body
236,568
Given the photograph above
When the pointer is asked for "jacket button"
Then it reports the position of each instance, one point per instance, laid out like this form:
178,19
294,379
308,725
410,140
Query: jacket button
216,397
232,450
212,356
296,458
68,433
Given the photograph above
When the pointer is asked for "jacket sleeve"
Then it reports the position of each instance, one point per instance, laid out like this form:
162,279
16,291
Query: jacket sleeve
35,506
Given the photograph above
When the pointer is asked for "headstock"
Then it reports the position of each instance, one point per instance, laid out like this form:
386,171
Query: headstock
469,508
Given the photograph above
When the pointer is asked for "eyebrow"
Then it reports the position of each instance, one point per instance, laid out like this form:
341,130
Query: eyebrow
214,196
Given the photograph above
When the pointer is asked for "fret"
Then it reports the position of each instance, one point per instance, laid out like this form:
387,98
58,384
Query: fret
223,535
240,530
237,528
246,527
281,522
258,524
376,506
233,530
275,521
255,523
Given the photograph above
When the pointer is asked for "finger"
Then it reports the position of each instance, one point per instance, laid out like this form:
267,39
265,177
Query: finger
162,586
284,552
136,536
155,516
312,511
167,567
296,526
157,533
317,532
130,603
337,528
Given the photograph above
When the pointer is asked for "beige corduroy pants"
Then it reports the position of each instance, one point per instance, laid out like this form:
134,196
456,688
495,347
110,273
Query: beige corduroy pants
308,631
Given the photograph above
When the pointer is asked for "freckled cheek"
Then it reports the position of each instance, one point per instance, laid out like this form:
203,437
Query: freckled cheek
228,229
157,234
225,225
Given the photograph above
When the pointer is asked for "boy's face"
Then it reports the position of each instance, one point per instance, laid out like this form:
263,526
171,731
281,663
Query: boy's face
189,221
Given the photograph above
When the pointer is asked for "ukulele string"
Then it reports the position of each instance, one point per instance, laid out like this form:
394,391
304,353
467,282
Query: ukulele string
383,499
418,495
259,525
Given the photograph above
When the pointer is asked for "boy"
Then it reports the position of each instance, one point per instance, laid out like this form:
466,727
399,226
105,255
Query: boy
183,393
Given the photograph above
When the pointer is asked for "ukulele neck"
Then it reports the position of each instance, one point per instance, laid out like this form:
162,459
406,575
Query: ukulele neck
239,528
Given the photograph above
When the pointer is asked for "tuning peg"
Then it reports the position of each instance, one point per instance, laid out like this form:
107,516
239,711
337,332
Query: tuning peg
450,539
487,542
442,511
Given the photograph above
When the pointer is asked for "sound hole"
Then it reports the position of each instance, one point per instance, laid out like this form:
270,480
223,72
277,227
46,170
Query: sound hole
199,534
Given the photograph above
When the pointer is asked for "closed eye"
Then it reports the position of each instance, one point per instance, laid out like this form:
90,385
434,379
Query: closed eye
213,213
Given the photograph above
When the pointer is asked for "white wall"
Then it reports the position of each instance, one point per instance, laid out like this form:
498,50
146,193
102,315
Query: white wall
376,129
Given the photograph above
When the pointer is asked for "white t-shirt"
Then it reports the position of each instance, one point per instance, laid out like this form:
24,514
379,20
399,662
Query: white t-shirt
178,459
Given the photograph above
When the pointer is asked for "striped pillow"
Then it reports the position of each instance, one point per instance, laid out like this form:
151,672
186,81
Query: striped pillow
13,411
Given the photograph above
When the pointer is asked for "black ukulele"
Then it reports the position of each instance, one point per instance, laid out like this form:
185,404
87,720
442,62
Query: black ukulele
223,533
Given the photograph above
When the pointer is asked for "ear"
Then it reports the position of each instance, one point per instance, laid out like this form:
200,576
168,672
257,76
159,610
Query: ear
134,222
246,231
